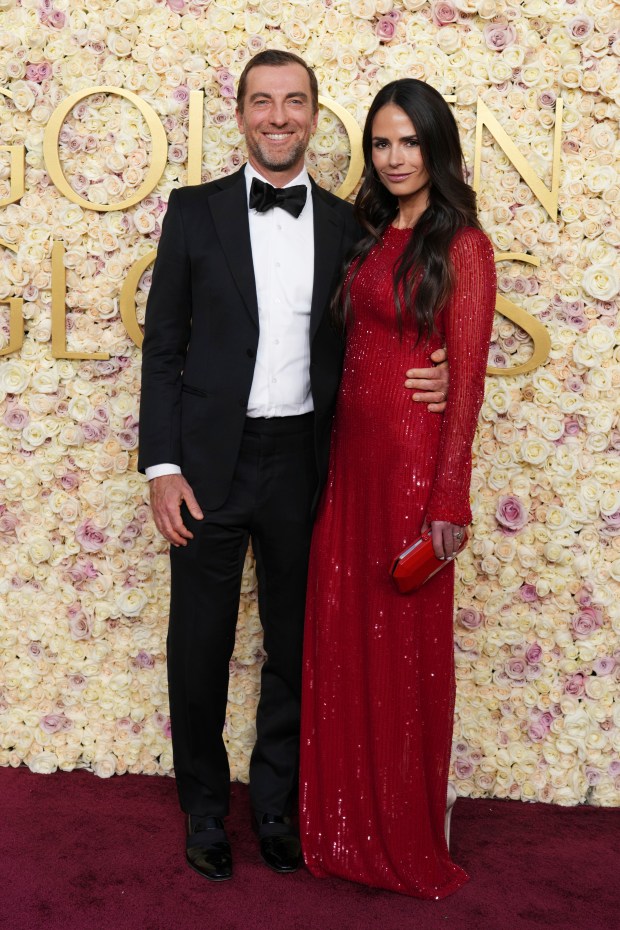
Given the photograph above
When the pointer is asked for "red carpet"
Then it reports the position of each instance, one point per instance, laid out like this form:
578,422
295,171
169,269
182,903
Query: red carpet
82,853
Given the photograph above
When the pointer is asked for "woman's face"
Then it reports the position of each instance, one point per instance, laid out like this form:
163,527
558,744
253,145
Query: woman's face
396,154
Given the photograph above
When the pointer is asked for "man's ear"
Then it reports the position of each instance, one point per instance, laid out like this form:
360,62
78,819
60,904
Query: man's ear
239,118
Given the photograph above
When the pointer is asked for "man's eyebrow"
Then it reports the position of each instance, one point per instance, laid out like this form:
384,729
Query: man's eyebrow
265,93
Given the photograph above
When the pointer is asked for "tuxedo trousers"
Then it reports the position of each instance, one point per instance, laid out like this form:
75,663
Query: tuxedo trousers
270,502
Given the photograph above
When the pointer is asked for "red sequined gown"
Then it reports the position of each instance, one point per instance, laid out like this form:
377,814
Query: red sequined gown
378,692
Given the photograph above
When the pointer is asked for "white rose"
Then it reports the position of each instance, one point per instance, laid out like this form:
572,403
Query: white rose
14,377
131,602
44,763
105,766
601,282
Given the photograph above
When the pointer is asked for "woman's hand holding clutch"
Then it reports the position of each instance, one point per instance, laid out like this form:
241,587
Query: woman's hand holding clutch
447,538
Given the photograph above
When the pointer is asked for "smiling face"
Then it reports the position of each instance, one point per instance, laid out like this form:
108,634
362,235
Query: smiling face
277,120
397,159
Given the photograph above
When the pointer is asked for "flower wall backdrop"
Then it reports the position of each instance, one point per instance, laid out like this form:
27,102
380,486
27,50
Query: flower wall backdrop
84,573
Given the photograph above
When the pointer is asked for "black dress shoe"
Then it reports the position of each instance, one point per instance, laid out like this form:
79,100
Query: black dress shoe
280,848
207,848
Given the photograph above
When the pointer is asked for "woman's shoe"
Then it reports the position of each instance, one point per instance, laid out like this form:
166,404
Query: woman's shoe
449,805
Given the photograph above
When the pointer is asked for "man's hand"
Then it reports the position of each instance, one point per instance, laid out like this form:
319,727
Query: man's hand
431,382
167,494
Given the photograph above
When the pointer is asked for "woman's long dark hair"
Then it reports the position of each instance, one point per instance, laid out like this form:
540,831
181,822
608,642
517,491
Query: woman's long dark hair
452,205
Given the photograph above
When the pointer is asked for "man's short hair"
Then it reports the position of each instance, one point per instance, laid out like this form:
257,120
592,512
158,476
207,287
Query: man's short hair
275,58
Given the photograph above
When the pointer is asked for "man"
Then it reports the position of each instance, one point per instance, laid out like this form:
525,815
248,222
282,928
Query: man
240,372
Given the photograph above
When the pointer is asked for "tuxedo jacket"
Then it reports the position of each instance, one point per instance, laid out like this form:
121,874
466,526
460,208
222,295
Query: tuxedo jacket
202,327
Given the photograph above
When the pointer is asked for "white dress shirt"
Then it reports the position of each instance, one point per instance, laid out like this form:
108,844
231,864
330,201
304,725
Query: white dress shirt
283,259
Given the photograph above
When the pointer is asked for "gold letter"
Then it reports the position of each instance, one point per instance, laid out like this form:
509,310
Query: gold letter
59,310
548,198
16,318
128,297
52,159
18,170
18,166
535,329
356,164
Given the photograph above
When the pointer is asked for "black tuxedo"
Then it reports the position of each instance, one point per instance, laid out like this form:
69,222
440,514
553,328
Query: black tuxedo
201,338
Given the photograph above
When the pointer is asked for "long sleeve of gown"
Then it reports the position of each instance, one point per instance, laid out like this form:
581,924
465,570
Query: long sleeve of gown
468,319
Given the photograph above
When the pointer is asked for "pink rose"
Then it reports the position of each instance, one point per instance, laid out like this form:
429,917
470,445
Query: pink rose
528,593
16,417
181,94
463,768
77,682
614,767
497,358
385,28
144,660
533,653
130,533
574,384
8,522
593,776
580,28
469,617
53,723
575,685
612,523
57,19
94,431
511,514
587,621
537,731
128,438
79,627
90,536
177,6
499,36
444,13
547,99
515,668
604,666
69,481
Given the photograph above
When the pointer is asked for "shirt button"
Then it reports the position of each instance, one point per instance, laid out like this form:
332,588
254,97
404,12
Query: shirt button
276,342
277,264
274,380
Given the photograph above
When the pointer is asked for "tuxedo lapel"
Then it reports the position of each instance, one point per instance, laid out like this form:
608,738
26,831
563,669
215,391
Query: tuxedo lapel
327,254
229,209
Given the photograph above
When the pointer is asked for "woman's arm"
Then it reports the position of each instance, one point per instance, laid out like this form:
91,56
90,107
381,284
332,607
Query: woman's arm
468,319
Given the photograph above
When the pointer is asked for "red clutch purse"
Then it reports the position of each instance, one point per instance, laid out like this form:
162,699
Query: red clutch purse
418,562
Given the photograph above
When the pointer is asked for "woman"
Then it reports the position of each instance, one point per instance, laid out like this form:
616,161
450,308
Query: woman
379,686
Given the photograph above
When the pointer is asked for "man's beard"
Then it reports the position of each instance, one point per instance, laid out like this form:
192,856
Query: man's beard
285,163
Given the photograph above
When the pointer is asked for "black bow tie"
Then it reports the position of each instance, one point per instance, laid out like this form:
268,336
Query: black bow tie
263,197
